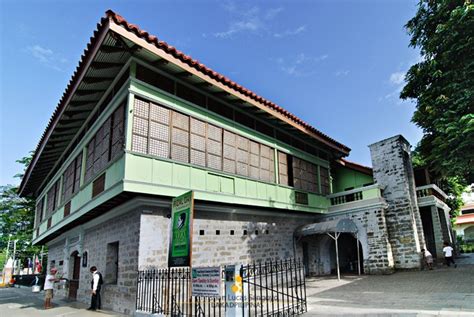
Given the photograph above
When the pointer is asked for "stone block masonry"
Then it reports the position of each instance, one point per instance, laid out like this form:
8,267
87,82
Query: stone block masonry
392,169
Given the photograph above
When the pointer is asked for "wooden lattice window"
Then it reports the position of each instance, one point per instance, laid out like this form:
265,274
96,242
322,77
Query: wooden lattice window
52,198
242,155
305,175
324,176
254,171
180,137
118,132
214,147
98,185
198,142
39,211
267,165
159,131
72,178
141,114
283,169
229,152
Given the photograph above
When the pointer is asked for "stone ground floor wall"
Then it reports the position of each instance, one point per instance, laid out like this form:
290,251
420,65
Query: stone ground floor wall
119,294
372,233
223,238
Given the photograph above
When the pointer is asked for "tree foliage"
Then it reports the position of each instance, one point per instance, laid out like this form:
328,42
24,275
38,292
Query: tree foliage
442,85
17,218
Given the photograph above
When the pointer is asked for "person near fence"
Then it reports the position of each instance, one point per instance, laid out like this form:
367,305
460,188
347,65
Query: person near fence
96,285
428,258
48,287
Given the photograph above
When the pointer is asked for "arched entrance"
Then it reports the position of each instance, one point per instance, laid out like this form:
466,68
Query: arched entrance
75,270
348,257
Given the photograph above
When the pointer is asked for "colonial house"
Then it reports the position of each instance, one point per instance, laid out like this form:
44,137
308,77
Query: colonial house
141,122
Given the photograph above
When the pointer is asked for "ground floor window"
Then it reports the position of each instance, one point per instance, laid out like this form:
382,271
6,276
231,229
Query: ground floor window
111,266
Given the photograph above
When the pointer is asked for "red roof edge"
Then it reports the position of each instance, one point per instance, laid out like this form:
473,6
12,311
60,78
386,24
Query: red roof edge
119,20
355,166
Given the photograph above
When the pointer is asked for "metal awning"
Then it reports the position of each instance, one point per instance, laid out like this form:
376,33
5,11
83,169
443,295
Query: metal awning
332,228
339,225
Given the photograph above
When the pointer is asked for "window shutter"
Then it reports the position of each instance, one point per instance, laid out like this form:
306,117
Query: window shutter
159,136
77,174
198,142
140,126
229,152
180,137
283,168
254,160
214,147
118,132
242,155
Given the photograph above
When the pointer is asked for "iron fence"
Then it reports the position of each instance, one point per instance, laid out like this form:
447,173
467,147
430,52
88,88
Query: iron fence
274,288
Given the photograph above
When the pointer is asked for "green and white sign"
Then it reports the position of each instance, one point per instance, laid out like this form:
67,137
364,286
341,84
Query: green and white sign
180,247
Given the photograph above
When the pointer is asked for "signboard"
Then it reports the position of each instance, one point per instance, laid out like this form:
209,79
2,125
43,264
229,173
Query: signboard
181,230
206,281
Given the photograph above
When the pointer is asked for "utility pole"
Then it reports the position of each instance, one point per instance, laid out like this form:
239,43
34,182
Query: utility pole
14,255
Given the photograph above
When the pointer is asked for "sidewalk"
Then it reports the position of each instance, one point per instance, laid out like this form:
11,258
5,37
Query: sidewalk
21,302
441,292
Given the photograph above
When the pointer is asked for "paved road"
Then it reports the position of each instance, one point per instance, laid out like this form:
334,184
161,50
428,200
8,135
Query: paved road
21,302
440,292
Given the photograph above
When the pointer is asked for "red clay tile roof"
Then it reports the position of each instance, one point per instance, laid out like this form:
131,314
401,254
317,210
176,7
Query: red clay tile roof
119,20
214,75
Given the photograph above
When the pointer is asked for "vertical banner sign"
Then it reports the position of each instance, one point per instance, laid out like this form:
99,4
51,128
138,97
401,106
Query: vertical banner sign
180,247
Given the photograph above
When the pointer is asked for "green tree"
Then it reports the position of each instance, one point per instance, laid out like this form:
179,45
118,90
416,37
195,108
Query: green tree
442,85
17,219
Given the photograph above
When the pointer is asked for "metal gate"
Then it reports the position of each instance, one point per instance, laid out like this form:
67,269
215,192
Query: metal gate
275,288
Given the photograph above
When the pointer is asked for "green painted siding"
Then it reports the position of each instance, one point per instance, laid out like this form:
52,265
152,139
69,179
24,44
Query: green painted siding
157,176
346,178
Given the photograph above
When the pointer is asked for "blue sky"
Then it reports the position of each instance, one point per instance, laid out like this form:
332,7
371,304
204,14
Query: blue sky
339,65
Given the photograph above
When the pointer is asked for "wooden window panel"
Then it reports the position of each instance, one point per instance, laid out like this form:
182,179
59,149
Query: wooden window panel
67,209
49,223
77,173
283,168
229,153
242,155
266,163
324,176
39,212
140,126
90,160
214,147
98,185
254,171
118,132
198,142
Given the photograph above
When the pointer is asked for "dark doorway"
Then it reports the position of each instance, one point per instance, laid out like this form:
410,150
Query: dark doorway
347,245
427,221
75,261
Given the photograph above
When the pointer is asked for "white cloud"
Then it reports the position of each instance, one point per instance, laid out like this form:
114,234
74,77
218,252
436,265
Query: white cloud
292,32
300,65
46,56
341,73
247,20
397,78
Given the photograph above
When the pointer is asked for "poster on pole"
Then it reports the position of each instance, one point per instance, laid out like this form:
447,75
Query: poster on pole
206,281
180,246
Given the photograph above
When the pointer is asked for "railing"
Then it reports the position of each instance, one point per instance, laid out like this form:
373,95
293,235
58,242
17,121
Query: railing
362,193
431,190
274,288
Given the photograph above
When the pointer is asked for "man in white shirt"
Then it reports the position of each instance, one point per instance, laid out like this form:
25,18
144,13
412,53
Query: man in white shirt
48,287
96,284
448,254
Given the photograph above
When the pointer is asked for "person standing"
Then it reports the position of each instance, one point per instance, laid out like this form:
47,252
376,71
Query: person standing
96,284
448,254
48,287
